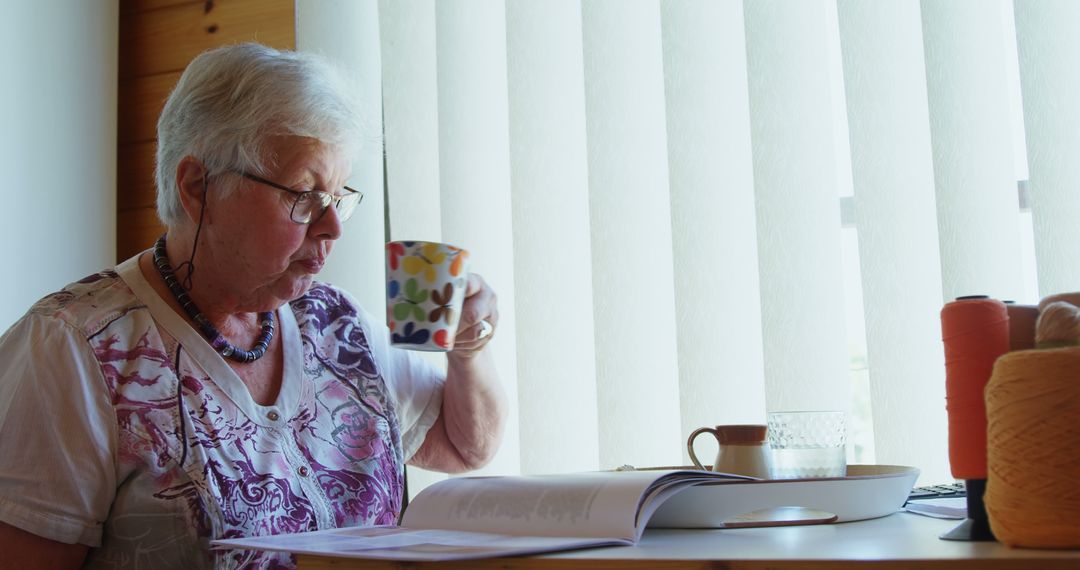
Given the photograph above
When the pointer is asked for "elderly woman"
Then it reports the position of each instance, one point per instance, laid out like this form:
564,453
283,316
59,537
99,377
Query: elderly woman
210,387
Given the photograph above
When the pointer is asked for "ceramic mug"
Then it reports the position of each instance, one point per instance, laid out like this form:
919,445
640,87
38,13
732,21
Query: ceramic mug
425,288
742,450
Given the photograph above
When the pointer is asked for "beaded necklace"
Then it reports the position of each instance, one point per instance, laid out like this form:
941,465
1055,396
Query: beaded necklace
218,342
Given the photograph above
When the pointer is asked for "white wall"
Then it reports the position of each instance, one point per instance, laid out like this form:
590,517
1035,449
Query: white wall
57,147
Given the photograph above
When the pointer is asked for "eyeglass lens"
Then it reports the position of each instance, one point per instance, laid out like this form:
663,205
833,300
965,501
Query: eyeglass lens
311,206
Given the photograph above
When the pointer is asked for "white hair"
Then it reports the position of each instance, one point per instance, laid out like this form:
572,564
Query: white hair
231,100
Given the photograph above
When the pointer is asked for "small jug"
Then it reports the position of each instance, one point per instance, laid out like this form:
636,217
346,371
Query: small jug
743,450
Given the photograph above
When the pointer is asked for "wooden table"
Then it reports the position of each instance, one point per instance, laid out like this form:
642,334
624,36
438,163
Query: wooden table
901,540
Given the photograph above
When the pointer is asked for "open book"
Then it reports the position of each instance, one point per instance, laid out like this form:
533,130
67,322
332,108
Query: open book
477,517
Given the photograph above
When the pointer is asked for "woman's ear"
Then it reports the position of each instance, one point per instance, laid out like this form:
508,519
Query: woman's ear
191,181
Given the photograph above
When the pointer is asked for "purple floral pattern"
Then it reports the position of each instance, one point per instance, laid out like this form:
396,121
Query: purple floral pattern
219,472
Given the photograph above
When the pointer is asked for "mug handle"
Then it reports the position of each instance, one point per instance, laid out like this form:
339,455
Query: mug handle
690,445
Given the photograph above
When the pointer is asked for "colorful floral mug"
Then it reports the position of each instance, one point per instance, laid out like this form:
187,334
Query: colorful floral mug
425,288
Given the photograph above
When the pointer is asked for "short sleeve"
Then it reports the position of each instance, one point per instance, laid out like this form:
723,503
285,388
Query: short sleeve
415,383
57,433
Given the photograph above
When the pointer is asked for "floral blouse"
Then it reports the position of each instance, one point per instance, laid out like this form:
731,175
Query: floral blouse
122,429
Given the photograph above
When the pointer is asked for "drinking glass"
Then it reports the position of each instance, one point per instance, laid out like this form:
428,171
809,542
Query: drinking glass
807,445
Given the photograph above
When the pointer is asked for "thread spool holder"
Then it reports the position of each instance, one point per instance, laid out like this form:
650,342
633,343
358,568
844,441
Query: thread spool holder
977,525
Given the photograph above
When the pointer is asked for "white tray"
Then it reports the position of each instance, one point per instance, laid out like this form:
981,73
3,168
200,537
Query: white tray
868,491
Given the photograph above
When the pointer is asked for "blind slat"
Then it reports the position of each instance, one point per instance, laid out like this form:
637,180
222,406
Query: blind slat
411,119
718,307
474,167
411,137
967,90
552,256
632,280
796,175
897,230
1049,49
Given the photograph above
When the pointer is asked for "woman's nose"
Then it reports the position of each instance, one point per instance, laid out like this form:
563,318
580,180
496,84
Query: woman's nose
328,226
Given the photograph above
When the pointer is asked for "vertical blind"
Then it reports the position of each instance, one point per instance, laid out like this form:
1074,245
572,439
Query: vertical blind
698,211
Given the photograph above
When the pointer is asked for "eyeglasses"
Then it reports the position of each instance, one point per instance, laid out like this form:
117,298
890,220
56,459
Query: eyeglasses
310,205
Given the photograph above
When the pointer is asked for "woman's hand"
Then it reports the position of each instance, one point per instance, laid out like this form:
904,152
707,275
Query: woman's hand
479,318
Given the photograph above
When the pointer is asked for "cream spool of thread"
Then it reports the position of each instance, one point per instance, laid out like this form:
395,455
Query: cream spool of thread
1033,437
1070,298
1058,326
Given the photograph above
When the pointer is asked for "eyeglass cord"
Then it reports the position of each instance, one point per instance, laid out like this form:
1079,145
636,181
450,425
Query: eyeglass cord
189,265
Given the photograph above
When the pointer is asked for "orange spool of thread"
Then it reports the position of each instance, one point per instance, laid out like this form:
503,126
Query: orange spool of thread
975,331
1033,434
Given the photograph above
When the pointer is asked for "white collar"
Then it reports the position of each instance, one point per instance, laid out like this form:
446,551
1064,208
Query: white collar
219,372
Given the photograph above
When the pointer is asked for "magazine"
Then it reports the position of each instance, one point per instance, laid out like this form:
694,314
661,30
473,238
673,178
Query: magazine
478,517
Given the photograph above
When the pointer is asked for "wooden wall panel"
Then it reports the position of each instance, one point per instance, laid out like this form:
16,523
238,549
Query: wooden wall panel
157,40
145,96
144,5
168,38
138,226
135,175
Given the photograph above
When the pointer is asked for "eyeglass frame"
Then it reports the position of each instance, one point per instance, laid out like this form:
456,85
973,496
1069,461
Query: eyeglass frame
335,200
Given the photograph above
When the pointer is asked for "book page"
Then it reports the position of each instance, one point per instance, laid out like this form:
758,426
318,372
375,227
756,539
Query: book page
480,517
598,505
944,508
397,543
